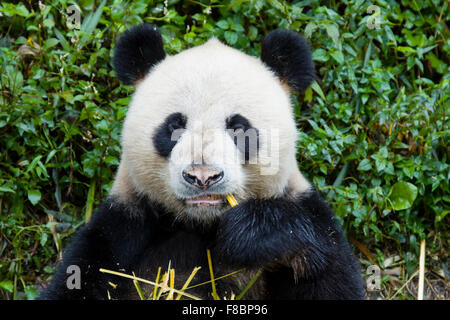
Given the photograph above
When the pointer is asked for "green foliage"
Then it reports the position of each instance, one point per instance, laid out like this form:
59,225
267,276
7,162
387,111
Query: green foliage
402,195
373,129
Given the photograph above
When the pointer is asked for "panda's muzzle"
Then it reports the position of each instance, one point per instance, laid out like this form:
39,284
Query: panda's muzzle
202,176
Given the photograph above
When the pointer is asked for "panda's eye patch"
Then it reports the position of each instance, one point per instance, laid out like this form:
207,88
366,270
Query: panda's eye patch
245,137
237,122
165,138
176,121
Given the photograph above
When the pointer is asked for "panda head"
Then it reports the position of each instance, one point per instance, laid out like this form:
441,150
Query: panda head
209,121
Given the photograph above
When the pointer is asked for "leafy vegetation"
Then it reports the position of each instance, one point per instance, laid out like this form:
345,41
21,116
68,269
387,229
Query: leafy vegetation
374,129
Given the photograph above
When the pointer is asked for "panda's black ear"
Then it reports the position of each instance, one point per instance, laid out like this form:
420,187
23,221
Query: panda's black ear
136,52
288,55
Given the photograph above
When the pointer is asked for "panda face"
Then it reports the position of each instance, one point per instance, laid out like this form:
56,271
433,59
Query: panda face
207,122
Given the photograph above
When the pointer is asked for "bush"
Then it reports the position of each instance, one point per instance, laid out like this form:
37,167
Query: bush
373,129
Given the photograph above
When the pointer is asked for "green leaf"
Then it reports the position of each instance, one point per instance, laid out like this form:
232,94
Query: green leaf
49,23
402,195
31,293
309,29
7,285
341,175
92,20
368,53
441,215
50,43
308,94
333,33
222,24
10,9
406,49
90,202
315,86
44,238
62,40
364,165
320,55
6,189
338,56
439,65
252,33
231,37
237,27
34,196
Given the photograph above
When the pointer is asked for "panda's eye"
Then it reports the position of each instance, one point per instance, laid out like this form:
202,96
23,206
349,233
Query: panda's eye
176,124
245,137
238,126
238,122
165,137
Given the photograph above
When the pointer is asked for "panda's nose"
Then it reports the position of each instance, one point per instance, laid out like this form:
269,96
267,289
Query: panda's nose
202,176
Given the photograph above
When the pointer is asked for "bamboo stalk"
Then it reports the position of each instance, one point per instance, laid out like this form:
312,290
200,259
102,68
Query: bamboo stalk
404,285
172,284
252,281
120,274
231,200
211,272
139,290
218,278
156,281
421,270
188,281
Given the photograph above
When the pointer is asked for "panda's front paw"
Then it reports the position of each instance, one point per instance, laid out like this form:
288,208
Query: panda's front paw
257,232
236,240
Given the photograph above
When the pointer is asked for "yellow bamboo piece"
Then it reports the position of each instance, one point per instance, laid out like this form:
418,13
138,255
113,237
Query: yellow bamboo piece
188,281
421,271
211,272
157,282
231,200
172,284
163,286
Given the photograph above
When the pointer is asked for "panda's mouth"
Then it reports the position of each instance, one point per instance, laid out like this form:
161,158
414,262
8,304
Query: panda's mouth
206,200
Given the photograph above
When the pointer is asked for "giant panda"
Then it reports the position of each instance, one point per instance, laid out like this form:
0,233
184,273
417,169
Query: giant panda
209,122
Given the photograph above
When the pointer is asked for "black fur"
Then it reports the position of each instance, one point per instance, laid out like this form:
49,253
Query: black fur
112,239
163,139
296,242
238,127
301,239
288,54
137,51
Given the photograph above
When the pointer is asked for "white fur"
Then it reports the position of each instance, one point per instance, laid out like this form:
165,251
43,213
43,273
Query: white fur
208,84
